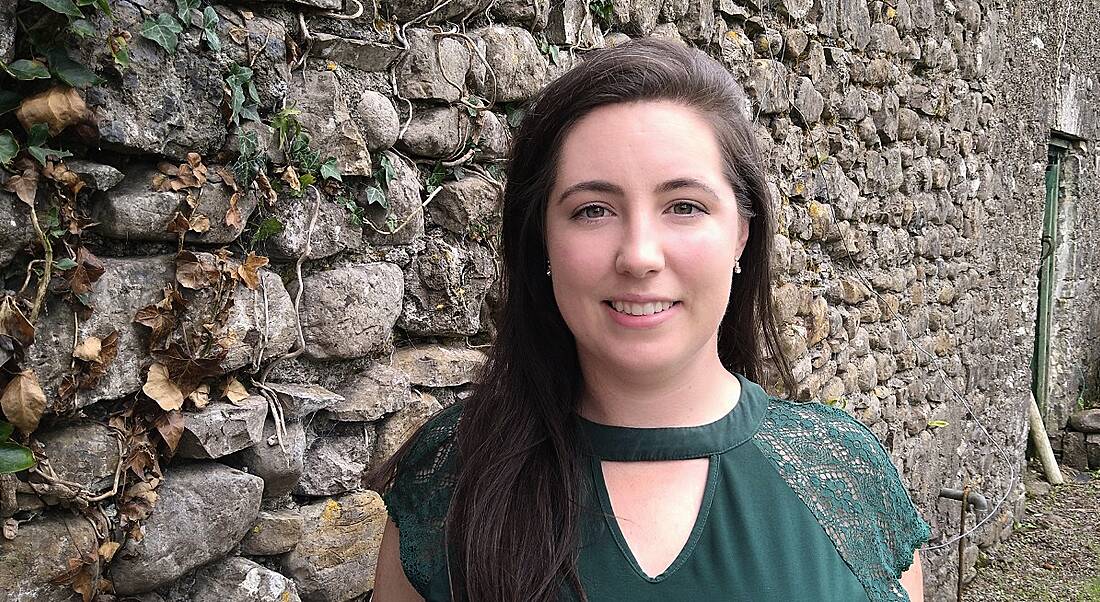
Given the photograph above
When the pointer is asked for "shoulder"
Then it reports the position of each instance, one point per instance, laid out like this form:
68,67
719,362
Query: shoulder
419,497
846,478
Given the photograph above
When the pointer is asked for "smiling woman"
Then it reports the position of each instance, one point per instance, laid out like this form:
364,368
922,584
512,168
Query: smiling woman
617,446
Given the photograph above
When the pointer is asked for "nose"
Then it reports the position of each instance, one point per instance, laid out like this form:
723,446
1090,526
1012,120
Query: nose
640,251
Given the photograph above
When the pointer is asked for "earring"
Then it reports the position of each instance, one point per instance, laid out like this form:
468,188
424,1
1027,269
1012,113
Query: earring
736,266
547,267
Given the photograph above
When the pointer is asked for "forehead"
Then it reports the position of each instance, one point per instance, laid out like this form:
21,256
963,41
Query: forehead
640,142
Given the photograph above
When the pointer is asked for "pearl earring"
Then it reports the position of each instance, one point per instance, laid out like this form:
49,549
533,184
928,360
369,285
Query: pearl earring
737,266
548,268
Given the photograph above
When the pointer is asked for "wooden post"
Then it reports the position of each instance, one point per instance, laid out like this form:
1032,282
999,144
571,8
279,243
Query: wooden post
1042,444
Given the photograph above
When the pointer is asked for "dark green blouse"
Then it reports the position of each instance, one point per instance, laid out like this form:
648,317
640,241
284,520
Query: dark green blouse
801,503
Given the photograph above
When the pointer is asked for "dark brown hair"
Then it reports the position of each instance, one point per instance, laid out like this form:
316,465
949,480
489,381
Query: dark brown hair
512,528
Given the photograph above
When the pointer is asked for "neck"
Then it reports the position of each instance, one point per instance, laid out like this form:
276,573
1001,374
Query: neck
689,395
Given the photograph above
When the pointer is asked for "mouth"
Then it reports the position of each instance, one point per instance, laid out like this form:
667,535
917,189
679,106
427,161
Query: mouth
641,309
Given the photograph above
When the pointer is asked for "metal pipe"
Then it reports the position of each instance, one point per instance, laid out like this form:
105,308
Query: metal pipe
973,498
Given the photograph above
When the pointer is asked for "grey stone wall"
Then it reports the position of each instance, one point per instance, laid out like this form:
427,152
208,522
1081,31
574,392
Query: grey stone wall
905,143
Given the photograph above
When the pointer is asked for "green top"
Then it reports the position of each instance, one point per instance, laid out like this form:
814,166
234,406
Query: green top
801,503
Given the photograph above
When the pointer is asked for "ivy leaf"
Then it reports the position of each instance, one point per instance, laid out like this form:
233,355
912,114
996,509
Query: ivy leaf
375,196
103,5
82,28
14,458
9,147
9,101
70,71
35,141
183,9
27,69
65,7
210,29
65,263
268,228
330,169
165,31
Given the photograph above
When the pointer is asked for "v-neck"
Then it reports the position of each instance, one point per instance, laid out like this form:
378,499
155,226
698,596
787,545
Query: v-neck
626,444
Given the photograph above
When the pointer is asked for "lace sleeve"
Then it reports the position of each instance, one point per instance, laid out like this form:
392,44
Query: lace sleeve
418,499
845,477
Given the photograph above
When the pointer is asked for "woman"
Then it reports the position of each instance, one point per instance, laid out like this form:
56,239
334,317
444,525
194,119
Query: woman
617,447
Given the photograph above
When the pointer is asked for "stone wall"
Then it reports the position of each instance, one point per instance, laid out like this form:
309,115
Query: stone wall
906,147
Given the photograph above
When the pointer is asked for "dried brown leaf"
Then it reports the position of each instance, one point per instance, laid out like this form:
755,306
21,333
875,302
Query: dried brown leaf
23,401
235,391
59,107
199,223
249,270
265,187
170,427
60,173
178,224
290,176
25,183
89,349
14,324
196,271
10,528
200,396
233,217
160,389
107,550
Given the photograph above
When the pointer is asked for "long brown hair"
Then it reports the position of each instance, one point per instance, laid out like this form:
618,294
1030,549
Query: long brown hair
512,528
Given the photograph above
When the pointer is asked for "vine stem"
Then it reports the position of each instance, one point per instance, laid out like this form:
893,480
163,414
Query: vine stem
43,283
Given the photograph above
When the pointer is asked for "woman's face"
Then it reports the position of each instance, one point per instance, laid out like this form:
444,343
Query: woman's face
642,233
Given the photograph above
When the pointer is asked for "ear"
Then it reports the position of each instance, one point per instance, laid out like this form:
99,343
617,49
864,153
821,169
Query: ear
742,234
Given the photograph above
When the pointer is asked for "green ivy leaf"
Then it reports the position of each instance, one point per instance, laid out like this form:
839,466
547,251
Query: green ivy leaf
9,101
14,458
65,7
82,28
36,138
65,263
387,173
120,51
243,97
6,429
164,31
515,115
27,69
210,29
9,148
375,196
268,228
103,5
330,169
183,10
70,71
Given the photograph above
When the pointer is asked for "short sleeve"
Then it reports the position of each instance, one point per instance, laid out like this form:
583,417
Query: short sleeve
845,477
419,497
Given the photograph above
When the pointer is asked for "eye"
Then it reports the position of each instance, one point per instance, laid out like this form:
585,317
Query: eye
591,212
686,208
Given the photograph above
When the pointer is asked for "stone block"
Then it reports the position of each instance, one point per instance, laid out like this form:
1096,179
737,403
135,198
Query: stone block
446,286
1085,421
468,207
135,211
327,120
203,510
494,139
332,232
435,132
1092,450
170,104
336,459
95,175
1074,452
279,467
299,401
7,32
40,553
569,23
513,54
381,124
125,286
767,86
395,430
86,453
808,102
360,54
438,366
350,312
16,232
236,579
528,13
407,10
378,391
434,67
220,429
403,221
275,532
338,552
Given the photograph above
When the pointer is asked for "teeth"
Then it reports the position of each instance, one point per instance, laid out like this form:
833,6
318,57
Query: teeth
641,309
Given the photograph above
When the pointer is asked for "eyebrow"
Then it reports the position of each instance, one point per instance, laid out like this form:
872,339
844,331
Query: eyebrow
608,187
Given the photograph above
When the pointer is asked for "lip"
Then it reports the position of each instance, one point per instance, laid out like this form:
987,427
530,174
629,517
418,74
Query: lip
643,322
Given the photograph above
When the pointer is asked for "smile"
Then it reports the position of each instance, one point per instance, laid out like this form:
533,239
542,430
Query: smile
641,309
